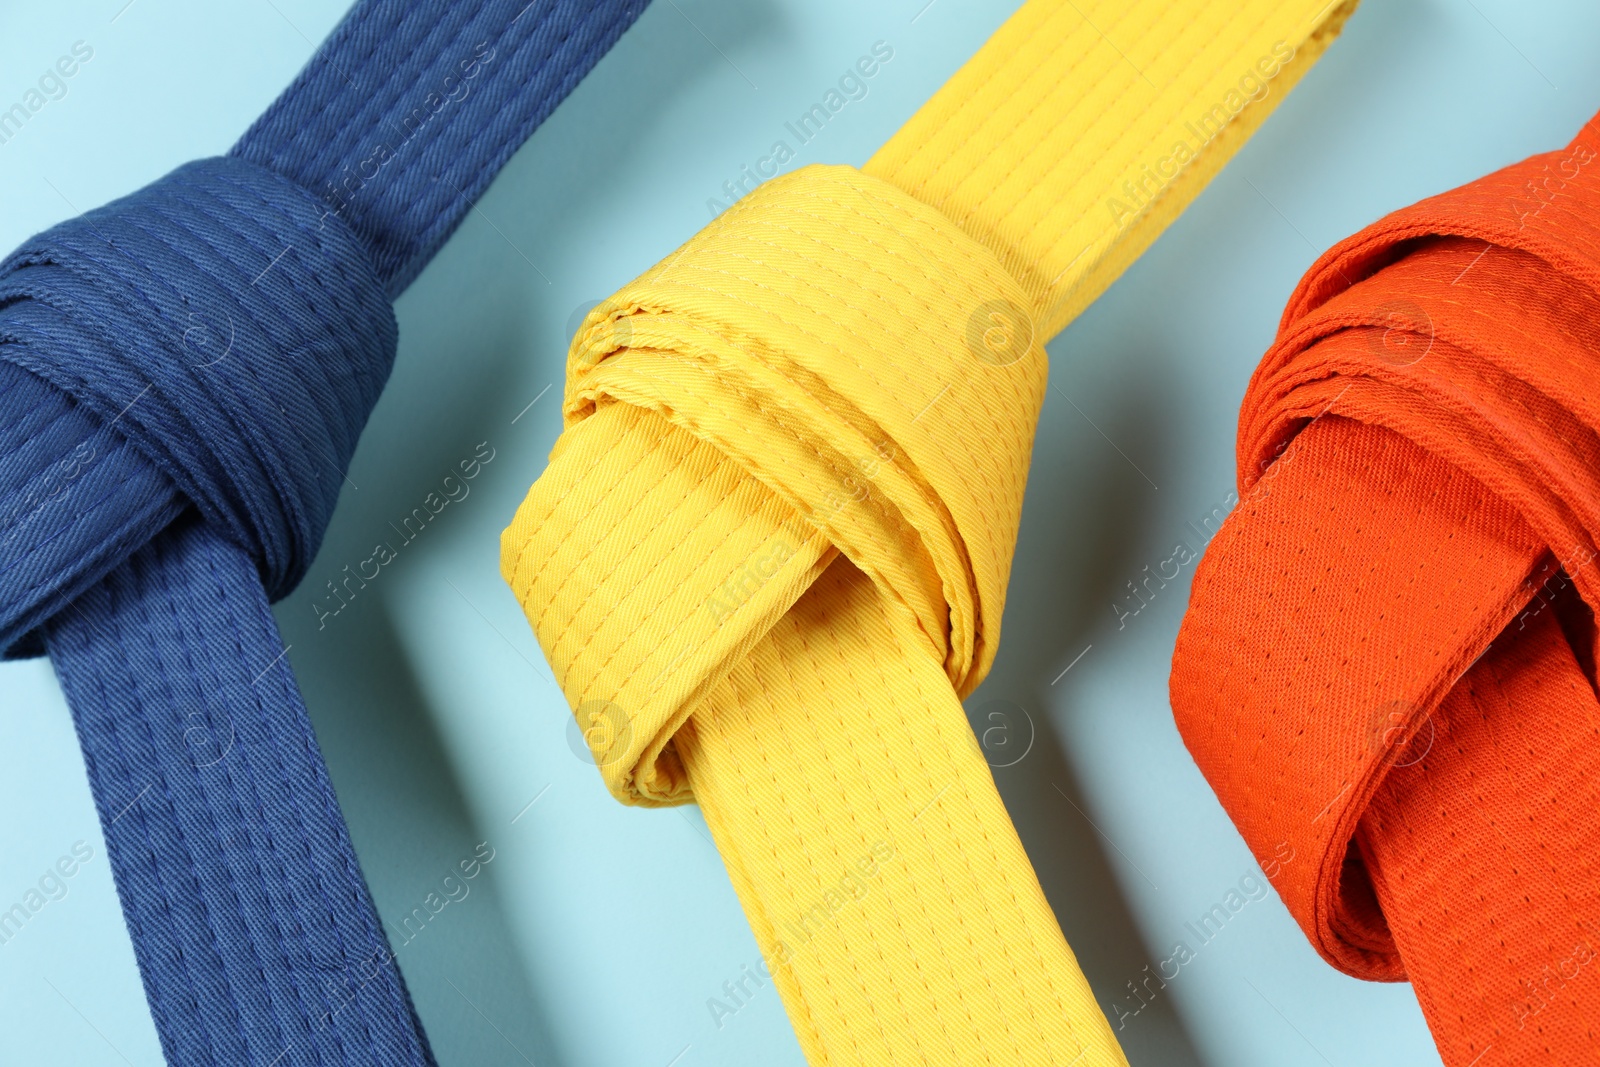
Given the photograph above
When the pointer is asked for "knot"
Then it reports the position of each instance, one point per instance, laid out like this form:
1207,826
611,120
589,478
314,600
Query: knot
831,368
230,329
1419,471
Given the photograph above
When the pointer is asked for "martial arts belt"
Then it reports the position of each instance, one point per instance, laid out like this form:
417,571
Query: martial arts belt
769,555
1387,669
183,377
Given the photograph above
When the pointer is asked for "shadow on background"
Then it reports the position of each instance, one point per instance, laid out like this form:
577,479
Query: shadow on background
463,337
1084,506
408,812
619,113
413,827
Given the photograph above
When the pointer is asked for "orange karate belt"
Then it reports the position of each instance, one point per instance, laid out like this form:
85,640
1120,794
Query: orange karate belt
1387,670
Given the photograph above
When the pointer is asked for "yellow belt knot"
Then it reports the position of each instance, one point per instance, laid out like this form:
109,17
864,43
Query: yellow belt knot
831,367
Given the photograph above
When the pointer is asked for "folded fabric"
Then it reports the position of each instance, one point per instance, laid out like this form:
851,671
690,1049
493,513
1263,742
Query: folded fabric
184,374
770,551
1387,668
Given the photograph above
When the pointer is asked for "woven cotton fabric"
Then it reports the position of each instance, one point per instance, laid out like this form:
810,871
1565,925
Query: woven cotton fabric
769,554
1388,659
184,376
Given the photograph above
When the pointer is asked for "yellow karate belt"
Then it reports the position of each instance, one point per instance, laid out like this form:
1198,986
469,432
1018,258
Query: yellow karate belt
769,555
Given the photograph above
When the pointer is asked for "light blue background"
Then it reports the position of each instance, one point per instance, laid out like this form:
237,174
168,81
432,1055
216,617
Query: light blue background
598,932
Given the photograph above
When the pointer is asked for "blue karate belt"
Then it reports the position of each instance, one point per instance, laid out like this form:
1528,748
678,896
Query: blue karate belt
184,374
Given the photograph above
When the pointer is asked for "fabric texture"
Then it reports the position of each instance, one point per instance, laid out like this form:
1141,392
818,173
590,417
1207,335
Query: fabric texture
184,375
769,554
1387,667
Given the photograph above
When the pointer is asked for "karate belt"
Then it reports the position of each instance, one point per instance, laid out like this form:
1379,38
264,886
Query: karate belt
1387,668
769,554
183,377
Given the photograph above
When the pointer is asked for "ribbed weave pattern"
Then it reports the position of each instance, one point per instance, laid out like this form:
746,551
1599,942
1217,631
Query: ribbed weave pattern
1081,130
769,554
255,935
408,111
184,375
236,337
1388,661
